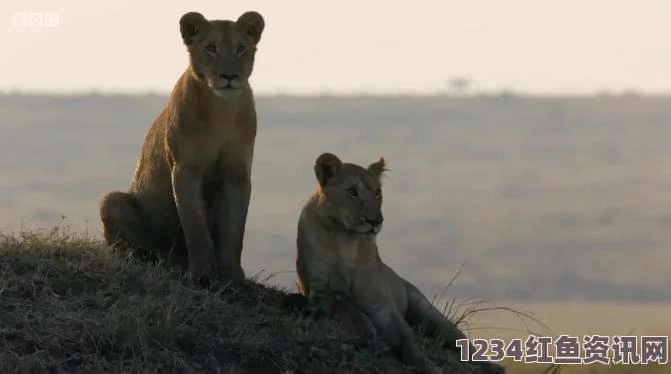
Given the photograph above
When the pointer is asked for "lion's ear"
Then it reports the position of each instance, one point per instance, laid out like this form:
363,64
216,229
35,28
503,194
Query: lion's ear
253,23
191,26
326,167
378,167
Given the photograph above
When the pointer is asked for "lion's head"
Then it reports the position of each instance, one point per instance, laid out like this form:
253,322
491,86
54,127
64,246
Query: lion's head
350,196
221,52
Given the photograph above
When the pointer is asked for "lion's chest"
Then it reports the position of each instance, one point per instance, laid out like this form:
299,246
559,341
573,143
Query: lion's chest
222,156
225,150
348,252
355,254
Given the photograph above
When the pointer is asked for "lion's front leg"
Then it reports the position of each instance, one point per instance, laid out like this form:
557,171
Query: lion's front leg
394,330
329,285
189,203
230,216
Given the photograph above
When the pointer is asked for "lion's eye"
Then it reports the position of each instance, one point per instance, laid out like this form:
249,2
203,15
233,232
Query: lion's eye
378,193
352,193
240,50
211,48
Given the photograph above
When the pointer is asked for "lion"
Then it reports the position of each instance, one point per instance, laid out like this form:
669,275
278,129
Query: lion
338,263
189,196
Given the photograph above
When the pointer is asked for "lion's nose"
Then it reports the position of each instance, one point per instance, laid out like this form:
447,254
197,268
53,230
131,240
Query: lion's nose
229,76
375,220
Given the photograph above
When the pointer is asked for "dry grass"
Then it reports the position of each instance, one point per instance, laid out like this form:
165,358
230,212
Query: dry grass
70,306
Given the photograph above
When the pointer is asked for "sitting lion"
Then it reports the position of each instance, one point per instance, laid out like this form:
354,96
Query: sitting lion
338,263
189,197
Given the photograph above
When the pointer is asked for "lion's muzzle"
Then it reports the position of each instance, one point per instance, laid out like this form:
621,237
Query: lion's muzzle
228,81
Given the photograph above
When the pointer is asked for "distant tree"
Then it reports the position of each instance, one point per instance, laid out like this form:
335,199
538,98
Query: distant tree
460,84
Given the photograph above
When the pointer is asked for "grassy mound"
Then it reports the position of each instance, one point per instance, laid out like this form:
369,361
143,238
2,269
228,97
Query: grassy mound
68,305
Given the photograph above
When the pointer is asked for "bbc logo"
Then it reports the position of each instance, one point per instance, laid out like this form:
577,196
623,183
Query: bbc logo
36,19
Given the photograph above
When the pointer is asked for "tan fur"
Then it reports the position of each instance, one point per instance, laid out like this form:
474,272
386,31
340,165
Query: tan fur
189,197
338,258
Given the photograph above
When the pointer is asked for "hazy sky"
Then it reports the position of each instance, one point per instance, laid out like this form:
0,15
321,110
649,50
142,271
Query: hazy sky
352,46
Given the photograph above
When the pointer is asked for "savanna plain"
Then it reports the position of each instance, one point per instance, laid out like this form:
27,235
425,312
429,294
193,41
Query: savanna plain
544,215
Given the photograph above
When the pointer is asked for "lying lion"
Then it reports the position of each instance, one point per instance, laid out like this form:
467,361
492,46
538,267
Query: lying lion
338,264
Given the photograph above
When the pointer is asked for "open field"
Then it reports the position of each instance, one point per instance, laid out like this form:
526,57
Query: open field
569,195
557,206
